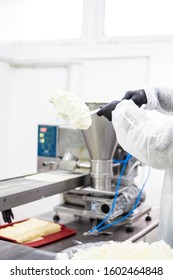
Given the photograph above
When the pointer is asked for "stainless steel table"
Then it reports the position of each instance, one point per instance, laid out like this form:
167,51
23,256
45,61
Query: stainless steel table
140,228
11,251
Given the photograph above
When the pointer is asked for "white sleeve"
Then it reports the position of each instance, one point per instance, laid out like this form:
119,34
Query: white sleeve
160,99
149,141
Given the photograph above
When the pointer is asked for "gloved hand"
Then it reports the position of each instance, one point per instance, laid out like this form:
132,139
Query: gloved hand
106,111
138,96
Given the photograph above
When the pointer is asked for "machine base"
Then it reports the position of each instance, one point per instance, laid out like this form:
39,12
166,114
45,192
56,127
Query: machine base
95,205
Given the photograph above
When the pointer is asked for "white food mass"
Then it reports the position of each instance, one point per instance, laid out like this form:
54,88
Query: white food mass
71,108
126,250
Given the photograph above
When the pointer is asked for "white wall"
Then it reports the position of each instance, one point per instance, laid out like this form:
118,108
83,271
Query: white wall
27,106
7,15
95,71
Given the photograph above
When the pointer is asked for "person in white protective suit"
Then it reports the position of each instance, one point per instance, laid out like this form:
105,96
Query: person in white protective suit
149,141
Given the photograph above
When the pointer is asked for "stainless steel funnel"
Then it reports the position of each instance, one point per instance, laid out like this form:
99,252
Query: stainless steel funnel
101,142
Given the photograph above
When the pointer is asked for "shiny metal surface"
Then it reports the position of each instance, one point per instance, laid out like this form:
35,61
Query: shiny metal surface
100,138
101,174
141,228
101,142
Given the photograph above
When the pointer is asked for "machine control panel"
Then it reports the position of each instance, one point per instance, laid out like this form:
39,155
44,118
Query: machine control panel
47,140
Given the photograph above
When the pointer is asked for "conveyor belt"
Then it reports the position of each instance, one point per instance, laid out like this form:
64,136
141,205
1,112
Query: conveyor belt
22,190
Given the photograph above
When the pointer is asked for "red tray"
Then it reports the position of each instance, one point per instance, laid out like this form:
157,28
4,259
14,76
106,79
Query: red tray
65,232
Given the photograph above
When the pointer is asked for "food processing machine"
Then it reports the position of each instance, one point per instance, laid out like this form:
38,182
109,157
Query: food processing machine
96,151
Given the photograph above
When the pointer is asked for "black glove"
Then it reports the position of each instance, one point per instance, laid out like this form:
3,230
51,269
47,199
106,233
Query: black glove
106,111
138,96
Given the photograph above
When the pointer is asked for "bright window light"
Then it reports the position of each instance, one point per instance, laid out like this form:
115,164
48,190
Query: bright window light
138,17
48,19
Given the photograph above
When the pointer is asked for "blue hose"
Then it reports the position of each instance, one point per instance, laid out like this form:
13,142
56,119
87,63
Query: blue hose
128,157
133,208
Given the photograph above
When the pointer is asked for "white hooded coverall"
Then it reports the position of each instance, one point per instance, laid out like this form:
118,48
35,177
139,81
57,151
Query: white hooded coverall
151,142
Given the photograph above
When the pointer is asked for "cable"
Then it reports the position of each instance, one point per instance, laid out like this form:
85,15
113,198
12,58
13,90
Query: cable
118,161
116,194
133,208
115,197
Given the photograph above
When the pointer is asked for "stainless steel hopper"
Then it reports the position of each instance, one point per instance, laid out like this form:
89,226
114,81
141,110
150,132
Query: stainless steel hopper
101,142
96,202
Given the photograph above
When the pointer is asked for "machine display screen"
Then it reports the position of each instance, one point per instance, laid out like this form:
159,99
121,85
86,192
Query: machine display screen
47,139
